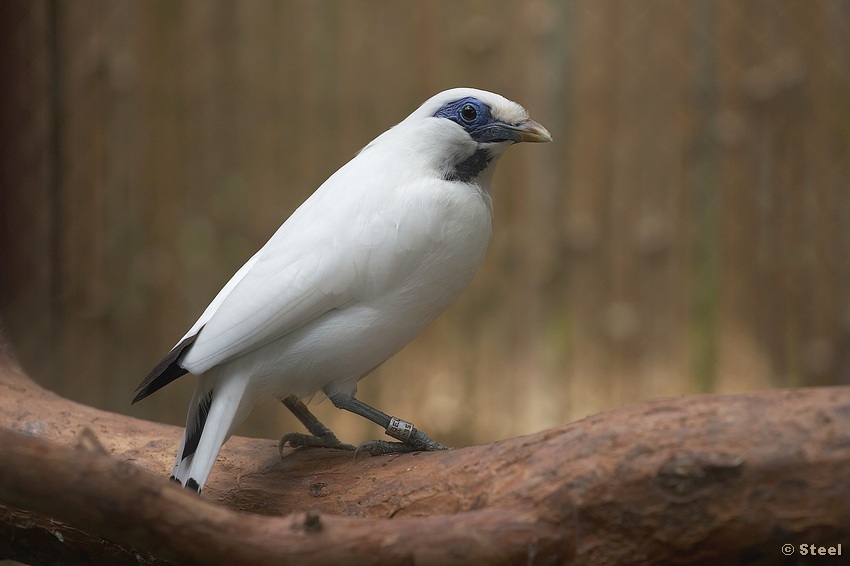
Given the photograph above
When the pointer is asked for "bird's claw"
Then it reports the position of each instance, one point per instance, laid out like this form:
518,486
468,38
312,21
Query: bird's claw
298,440
417,442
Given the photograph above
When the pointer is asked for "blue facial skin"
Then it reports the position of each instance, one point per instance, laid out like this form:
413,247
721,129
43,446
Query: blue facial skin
475,117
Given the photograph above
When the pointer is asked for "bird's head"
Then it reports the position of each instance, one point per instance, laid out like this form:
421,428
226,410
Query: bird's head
462,132
486,117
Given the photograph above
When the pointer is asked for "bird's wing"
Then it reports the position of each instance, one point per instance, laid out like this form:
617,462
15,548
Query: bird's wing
339,247
304,271
278,294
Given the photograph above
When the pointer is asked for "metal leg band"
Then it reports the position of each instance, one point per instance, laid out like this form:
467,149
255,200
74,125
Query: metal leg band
399,429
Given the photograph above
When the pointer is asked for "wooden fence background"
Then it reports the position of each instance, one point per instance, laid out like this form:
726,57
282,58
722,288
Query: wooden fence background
687,232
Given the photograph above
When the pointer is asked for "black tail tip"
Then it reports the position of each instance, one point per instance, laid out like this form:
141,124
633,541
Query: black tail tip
193,485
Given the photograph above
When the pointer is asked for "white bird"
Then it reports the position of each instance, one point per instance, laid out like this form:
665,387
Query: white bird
359,269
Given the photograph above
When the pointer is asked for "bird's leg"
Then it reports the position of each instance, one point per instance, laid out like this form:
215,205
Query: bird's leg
412,440
320,436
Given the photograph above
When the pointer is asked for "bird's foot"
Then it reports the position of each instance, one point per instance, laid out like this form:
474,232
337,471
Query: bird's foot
327,440
418,441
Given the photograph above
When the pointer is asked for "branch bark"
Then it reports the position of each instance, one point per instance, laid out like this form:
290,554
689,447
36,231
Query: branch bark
687,480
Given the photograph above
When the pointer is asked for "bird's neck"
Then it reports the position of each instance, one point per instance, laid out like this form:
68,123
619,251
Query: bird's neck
467,171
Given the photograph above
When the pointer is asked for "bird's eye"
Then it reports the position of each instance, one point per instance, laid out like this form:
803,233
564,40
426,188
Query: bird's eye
468,113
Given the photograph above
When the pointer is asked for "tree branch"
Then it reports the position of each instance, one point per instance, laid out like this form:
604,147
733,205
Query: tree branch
693,479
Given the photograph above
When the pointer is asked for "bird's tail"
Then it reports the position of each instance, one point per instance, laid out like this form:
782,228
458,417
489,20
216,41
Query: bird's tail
218,406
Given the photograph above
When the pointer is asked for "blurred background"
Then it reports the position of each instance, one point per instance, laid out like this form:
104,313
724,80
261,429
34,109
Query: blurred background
687,232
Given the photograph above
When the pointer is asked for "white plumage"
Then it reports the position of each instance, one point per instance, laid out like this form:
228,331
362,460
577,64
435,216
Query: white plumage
359,269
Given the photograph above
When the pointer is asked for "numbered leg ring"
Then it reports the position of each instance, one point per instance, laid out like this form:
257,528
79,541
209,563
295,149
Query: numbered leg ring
399,429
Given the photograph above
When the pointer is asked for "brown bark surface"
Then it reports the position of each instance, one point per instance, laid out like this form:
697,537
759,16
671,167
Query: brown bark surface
688,480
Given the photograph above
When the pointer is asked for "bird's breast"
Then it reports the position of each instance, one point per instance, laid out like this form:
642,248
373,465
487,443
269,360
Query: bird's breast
432,249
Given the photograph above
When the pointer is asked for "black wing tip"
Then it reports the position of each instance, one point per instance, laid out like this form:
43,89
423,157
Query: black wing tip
158,379
166,371
142,391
